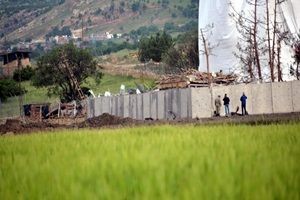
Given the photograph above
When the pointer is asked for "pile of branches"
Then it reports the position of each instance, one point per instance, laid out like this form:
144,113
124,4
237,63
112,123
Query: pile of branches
196,78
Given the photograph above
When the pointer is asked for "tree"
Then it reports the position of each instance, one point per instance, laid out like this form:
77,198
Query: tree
52,72
184,55
154,47
297,58
253,43
10,88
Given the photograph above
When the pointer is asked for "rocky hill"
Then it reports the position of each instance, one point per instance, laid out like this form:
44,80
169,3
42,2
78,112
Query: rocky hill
34,19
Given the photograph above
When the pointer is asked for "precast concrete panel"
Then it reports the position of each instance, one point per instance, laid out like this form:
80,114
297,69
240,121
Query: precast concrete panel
168,113
140,107
113,105
126,106
146,105
175,101
235,93
184,103
201,102
120,110
296,95
282,97
154,105
261,98
161,105
105,104
98,106
91,108
133,106
190,106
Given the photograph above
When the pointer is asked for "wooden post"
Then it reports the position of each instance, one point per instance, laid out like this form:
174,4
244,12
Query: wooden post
19,84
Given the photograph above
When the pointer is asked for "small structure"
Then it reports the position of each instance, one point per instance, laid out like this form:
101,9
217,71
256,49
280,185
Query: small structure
11,61
36,111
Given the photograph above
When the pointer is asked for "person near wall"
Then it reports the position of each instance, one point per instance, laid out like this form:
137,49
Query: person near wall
226,101
218,105
243,100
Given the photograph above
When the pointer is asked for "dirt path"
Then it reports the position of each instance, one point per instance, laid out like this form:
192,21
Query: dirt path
15,126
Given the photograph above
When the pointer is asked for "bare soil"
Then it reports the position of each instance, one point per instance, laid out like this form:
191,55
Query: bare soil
16,126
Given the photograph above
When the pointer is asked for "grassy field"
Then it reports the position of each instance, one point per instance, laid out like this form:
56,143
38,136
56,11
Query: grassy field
155,162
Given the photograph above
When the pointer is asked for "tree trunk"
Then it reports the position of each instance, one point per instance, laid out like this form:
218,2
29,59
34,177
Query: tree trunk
274,36
271,62
297,72
250,62
257,58
278,60
206,52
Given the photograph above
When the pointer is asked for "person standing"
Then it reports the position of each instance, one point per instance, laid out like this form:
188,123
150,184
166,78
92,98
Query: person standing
243,100
218,105
226,101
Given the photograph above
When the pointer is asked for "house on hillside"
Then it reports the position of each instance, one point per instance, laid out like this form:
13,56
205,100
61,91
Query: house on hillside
11,61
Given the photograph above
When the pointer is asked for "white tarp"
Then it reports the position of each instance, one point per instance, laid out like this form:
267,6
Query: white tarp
224,36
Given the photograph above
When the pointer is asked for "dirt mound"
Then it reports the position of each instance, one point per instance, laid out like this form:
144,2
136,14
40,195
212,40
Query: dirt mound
17,127
107,120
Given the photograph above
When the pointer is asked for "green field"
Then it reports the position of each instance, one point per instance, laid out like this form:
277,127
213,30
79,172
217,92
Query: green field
154,162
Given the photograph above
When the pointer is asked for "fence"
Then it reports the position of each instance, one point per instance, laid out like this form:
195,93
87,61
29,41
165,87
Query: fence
265,98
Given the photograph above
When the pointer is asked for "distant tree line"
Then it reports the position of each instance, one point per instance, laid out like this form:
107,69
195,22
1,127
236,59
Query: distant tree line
177,54
101,48
55,31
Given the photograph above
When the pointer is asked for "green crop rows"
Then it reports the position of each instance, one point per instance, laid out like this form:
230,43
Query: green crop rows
154,162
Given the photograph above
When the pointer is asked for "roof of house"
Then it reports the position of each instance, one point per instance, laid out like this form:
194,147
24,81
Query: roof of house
3,53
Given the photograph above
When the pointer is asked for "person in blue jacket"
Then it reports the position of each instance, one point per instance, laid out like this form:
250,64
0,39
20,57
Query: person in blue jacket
243,100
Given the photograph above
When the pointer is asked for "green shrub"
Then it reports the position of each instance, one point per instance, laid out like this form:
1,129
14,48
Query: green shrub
9,88
24,74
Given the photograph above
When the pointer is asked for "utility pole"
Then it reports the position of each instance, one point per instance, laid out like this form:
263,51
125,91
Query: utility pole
19,84
209,81
82,34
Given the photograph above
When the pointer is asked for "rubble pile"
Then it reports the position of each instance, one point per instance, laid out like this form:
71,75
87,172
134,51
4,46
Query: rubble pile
194,78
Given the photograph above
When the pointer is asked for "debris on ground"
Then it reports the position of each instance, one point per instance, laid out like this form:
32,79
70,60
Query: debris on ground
194,78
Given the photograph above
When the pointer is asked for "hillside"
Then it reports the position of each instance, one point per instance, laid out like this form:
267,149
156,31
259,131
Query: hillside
34,19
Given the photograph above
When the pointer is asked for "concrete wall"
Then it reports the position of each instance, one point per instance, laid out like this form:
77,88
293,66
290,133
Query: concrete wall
199,102
263,98
168,104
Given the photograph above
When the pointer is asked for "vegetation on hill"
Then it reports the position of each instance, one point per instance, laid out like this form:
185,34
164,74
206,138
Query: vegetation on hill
95,16
17,13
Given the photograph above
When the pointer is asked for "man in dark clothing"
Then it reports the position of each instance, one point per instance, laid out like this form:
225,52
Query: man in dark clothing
226,101
243,100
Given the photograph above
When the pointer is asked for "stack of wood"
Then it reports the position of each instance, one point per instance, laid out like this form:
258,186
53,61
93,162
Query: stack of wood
172,81
194,78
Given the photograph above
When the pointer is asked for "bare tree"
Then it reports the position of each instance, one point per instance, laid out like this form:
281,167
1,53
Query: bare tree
296,47
207,47
253,44
249,47
270,48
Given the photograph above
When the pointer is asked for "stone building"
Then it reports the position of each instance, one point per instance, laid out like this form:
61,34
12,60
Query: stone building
10,62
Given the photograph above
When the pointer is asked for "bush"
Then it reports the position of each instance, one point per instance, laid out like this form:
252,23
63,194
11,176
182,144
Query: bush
24,74
154,47
9,88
